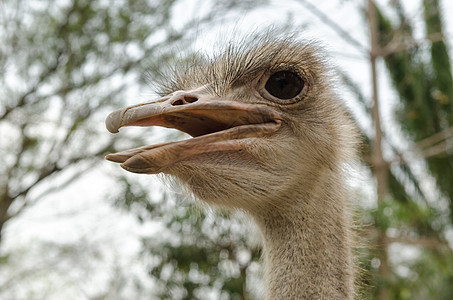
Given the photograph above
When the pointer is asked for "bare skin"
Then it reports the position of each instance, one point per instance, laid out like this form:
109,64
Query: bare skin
271,138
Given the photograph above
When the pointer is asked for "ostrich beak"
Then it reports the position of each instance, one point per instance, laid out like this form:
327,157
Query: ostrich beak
215,125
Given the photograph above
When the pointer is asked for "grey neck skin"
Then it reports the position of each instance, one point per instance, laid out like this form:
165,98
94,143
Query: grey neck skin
308,247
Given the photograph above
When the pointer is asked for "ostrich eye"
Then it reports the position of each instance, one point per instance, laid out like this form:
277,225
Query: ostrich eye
284,84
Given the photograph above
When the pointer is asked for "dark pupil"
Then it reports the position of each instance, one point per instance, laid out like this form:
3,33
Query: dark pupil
284,85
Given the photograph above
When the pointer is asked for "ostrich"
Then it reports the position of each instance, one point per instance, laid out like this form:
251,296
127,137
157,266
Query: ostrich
270,138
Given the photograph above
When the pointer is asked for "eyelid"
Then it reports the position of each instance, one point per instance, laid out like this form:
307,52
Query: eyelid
262,80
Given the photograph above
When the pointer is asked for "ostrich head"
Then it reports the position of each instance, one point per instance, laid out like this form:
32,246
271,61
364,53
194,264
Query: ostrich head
269,136
263,118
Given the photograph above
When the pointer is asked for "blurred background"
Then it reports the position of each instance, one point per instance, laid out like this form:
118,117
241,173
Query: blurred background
73,226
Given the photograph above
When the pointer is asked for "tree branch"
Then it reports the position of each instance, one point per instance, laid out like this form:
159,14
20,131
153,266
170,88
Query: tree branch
43,77
421,241
425,242
53,170
435,138
398,46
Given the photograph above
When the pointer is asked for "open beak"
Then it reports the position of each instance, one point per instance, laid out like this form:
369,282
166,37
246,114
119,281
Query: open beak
215,125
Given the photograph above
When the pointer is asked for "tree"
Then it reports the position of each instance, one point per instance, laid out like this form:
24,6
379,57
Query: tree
408,217
64,66
197,254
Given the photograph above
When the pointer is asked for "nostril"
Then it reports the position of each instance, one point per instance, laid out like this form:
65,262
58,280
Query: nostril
189,99
184,100
178,102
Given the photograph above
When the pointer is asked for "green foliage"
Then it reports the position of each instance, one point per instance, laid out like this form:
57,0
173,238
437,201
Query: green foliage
419,258
411,218
64,66
195,254
425,86
411,257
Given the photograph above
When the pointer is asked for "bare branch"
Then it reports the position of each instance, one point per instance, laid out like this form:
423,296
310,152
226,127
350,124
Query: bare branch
425,242
439,149
42,78
52,189
438,144
435,138
53,170
421,241
398,46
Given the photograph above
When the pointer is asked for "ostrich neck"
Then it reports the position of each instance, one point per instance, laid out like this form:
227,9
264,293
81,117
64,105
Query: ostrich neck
307,246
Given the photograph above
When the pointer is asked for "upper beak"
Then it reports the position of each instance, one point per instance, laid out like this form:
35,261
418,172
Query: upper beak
215,124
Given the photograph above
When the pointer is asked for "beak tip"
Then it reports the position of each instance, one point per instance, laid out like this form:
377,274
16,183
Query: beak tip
113,121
